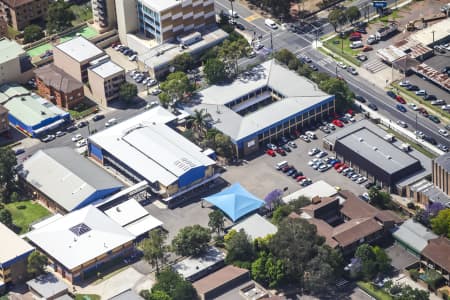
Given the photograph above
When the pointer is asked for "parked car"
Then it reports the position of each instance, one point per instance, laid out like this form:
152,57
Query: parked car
429,97
391,94
404,83
342,65
286,148
434,119
373,106
352,71
98,117
313,151
337,123
401,108
445,107
82,124
360,99
321,154
77,137
81,143
421,93
71,128
111,122
280,151
305,138
412,87
443,132
292,144
156,92
400,99
271,146
60,133
271,152
19,151
132,57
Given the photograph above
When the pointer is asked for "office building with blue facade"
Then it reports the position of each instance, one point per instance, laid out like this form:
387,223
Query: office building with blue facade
30,113
145,147
262,105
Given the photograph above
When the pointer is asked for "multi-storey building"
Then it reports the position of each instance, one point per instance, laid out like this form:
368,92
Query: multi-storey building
20,13
14,62
440,173
4,124
75,56
57,86
104,13
105,78
163,20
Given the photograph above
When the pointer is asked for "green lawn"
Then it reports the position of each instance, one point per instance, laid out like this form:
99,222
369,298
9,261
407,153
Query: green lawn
82,13
31,212
374,292
87,297
12,32
342,48
412,143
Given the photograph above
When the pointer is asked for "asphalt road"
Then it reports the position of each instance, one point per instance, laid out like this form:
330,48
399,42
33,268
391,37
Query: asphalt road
301,44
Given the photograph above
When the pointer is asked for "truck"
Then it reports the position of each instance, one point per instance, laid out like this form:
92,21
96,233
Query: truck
386,31
190,39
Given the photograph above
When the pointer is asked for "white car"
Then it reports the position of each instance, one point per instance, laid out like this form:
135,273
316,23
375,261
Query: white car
156,92
233,13
421,93
305,138
361,180
365,196
132,57
438,102
60,133
151,82
420,134
321,154
81,143
331,126
77,137
413,106
292,144
402,124
443,132
404,83
446,107
314,161
313,151
111,122
342,65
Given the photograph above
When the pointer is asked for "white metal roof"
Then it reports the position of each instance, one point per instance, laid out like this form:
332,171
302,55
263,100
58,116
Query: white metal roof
435,32
414,234
256,226
80,49
151,148
107,69
159,5
126,212
12,245
71,250
319,188
143,225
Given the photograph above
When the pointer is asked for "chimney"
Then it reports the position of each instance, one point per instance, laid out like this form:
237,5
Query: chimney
316,200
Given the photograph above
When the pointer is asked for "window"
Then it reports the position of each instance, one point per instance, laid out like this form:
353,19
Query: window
80,229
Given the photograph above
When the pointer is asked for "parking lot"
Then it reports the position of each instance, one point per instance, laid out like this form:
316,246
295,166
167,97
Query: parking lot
260,177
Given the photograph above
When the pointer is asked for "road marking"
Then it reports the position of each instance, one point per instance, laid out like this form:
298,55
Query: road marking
243,7
252,18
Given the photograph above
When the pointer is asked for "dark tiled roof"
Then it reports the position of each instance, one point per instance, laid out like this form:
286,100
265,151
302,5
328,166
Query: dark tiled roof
219,278
354,230
58,79
388,215
353,207
16,3
438,251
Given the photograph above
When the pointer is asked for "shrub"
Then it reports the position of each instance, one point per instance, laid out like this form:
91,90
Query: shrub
414,274
21,207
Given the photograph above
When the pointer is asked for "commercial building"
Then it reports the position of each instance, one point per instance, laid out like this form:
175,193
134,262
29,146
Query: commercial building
20,13
105,78
13,257
29,113
81,242
413,236
440,173
4,123
371,152
425,193
14,62
194,268
262,105
74,57
104,13
59,87
346,221
145,147
435,257
163,20
65,181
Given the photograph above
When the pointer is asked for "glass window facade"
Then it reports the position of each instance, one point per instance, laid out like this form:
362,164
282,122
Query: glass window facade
149,22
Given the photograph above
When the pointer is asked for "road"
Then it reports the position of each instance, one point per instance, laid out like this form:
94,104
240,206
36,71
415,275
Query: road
302,44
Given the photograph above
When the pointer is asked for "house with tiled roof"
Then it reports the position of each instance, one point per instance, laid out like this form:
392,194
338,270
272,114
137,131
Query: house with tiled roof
436,256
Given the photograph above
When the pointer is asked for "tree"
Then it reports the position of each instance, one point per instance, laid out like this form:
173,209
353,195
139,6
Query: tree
334,18
216,221
379,198
299,203
374,261
183,62
164,99
352,13
273,199
268,270
239,247
158,295
441,223
215,71
59,16
8,173
177,86
199,120
6,218
127,91
284,56
172,284
191,240
343,95
36,263
230,52
154,249
32,33
223,145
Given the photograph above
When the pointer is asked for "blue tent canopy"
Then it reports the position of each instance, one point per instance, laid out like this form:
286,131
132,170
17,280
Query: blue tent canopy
235,201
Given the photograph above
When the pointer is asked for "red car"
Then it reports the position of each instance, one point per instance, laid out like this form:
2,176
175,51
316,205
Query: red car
355,36
271,152
341,168
300,178
338,123
400,99
337,165
280,151
423,112
351,112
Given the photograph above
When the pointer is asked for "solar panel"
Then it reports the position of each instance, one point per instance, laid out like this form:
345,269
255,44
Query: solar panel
80,229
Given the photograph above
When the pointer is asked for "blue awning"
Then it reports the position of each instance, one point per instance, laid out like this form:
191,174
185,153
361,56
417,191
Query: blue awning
235,201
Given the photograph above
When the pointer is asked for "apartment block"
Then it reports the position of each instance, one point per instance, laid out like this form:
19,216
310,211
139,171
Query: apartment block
440,173
105,78
75,56
20,13
163,20
59,87
104,13
14,61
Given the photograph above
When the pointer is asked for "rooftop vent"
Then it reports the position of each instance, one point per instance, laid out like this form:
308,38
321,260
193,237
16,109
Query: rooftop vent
360,139
389,157
374,148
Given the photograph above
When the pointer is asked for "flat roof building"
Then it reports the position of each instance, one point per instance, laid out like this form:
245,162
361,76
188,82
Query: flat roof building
14,61
262,105
105,78
319,188
79,243
29,113
194,268
4,123
65,181
440,173
47,286
256,227
145,147
13,257
74,57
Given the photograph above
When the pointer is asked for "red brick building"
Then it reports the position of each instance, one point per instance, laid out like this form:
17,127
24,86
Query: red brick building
58,87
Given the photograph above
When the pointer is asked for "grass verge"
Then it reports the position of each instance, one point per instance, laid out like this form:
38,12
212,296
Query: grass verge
348,54
26,212
412,143
374,292
87,297
12,33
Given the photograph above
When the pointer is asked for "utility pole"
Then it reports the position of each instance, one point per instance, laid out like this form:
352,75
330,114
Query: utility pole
271,42
433,40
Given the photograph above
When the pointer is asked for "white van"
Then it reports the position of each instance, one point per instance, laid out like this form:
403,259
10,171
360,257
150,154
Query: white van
356,44
311,135
271,24
281,164
233,13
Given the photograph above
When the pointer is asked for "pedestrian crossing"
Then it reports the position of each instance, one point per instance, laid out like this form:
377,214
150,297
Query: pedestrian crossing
375,65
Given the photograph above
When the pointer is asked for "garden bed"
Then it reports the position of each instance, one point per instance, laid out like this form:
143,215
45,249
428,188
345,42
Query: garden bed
373,291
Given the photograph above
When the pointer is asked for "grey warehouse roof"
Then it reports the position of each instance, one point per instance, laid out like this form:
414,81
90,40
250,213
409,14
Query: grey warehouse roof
414,234
65,176
298,93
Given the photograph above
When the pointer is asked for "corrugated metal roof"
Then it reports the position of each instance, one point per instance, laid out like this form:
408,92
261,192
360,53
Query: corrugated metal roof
12,245
414,234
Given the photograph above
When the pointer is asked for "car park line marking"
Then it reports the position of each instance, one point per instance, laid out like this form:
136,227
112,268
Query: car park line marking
252,18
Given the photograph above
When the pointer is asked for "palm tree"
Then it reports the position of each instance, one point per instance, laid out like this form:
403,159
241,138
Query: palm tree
199,120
